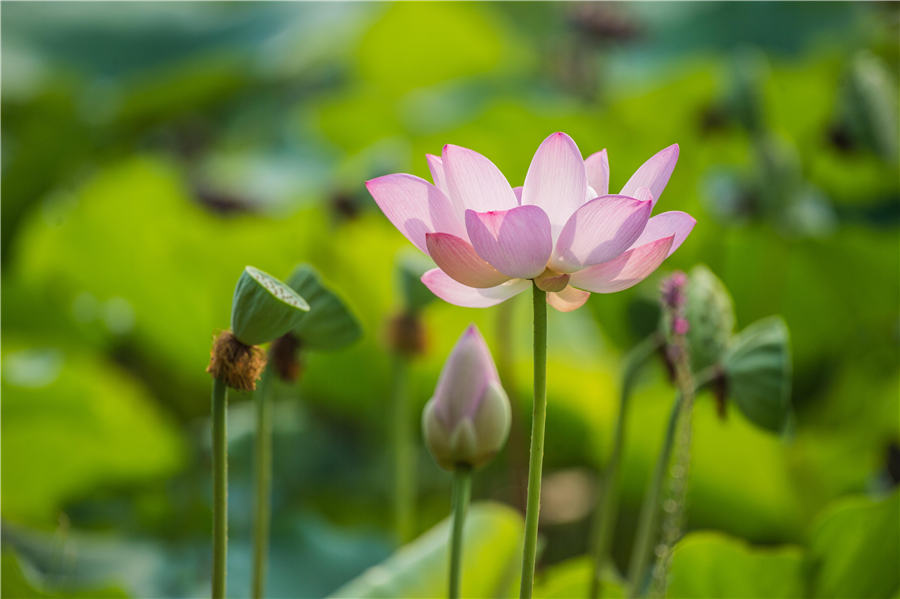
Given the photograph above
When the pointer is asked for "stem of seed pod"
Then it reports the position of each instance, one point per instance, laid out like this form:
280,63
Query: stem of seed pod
535,465
462,484
401,436
607,501
650,508
263,469
220,487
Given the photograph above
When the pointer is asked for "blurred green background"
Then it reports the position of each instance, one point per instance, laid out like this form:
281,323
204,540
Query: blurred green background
151,150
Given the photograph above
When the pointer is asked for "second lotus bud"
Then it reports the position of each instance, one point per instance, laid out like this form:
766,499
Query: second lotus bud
467,421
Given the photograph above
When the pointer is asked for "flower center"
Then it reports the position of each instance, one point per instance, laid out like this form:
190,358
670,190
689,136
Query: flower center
550,280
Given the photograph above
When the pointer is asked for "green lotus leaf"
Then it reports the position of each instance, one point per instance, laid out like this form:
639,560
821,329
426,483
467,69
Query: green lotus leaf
491,560
711,565
572,578
329,325
15,583
264,308
854,549
758,370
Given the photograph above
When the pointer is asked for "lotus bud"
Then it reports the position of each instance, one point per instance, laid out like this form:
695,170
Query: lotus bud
709,310
467,421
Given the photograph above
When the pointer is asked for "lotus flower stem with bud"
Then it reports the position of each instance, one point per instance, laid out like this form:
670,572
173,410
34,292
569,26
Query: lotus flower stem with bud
263,308
607,501
678,428
650,507
465,424
561,233
680,356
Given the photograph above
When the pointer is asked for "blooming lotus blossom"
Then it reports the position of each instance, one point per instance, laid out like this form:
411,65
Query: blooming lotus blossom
561,229
467,420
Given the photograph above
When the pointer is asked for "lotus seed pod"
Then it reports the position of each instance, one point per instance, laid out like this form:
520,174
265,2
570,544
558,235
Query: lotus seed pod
757,368
709,312
467,421
330,325
264,308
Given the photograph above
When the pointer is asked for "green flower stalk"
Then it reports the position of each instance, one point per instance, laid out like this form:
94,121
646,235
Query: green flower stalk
406,339
403,455
329,325
678,356
263,308
536,459
465,424
607,501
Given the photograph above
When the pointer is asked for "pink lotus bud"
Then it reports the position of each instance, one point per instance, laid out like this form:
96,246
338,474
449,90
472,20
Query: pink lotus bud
467,421
672,290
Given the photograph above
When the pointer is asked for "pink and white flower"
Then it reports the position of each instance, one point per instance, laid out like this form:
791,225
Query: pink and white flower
561,229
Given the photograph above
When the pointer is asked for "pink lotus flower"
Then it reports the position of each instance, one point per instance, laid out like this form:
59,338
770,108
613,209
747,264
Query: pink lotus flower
561,229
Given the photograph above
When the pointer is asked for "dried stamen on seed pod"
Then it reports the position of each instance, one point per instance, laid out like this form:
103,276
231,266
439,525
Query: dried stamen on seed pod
237,364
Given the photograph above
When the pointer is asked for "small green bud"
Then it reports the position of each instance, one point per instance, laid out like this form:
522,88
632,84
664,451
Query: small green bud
264,308
467,421
710,312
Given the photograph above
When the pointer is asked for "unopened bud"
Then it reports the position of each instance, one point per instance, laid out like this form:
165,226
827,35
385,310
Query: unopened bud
467,421
710,312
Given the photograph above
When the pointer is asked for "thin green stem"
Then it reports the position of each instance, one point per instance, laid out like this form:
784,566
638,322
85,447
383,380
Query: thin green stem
220,487
650,508
608,500
263,491
401,440
539,414
462,485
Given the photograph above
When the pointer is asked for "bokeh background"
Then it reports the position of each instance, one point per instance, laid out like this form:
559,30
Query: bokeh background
150,151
